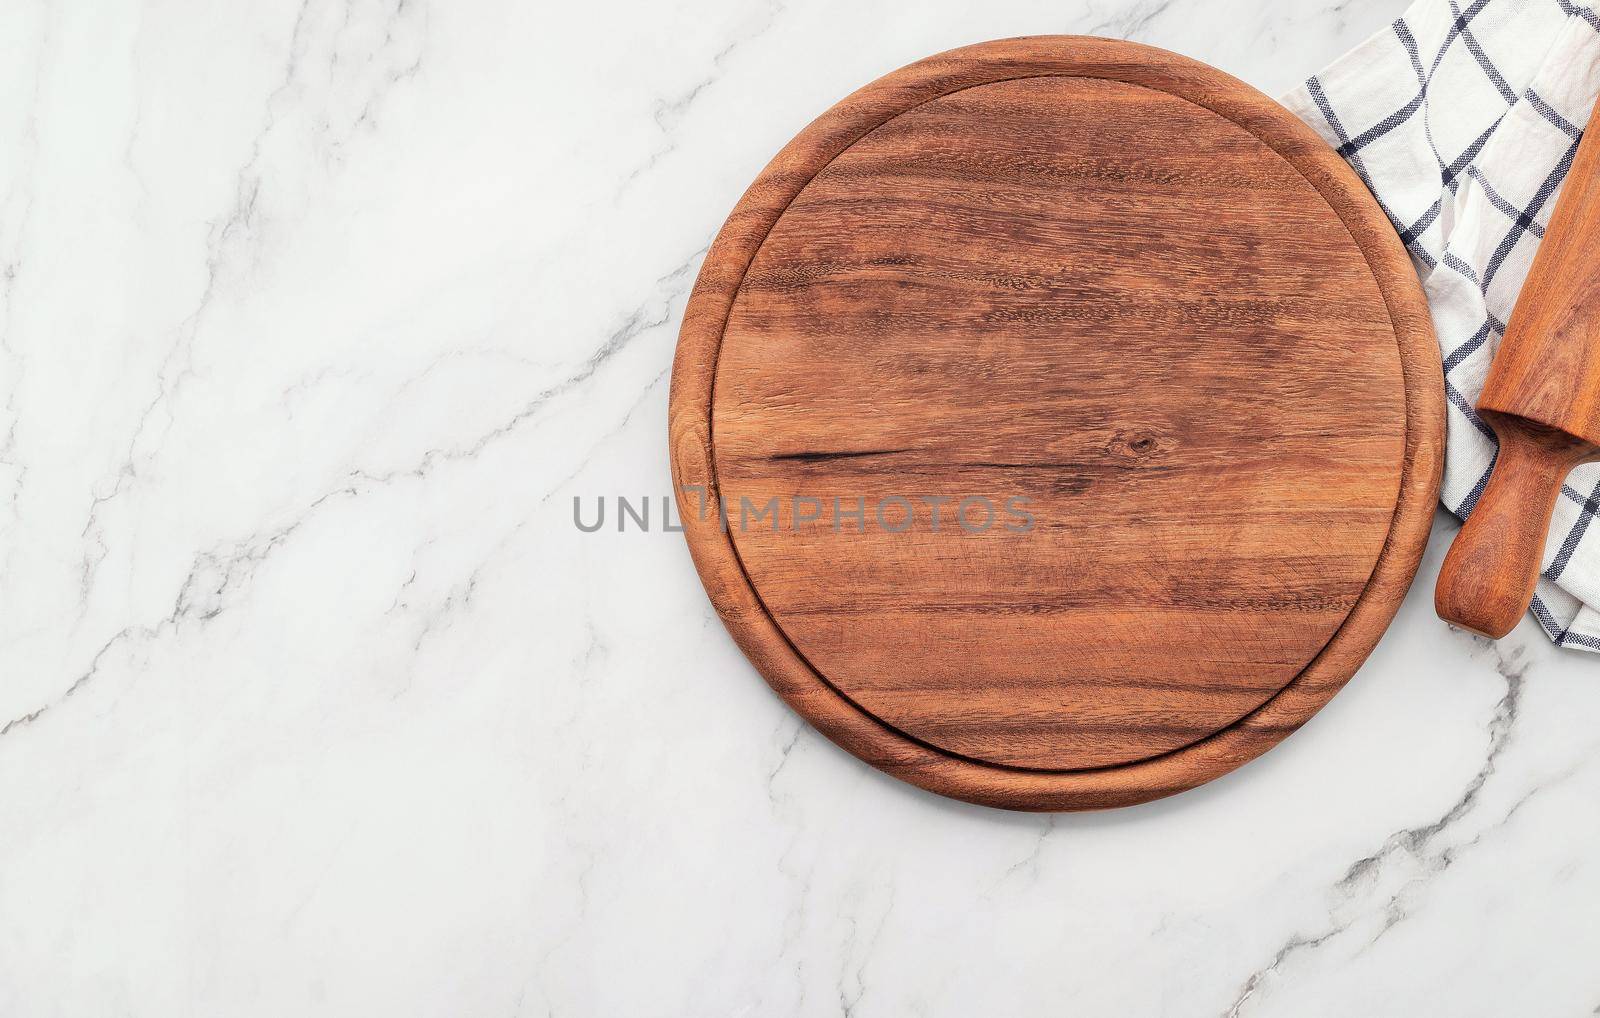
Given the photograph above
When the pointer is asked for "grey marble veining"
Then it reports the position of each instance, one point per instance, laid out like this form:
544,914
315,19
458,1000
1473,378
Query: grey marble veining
314,318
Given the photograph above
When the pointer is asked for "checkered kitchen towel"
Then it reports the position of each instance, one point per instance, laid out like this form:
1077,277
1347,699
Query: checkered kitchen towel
1462,118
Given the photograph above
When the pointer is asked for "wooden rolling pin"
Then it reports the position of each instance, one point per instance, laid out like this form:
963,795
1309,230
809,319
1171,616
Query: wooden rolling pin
1542,399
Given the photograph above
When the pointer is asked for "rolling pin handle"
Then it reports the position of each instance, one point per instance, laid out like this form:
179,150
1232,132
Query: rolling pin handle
1488,576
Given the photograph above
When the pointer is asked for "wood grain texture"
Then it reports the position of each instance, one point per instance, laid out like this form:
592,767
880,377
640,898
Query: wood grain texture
1123,286
1542,398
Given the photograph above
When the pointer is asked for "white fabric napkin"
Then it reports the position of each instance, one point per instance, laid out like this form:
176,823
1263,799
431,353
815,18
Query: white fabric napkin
1463,118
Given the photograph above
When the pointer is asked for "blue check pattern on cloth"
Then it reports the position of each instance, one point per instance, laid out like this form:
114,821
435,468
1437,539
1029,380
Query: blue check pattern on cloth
1463,119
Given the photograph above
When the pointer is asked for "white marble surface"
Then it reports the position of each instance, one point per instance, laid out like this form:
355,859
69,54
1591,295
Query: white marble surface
314,702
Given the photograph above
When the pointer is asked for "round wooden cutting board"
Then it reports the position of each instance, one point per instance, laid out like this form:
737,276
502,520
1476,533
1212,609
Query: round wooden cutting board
1077,418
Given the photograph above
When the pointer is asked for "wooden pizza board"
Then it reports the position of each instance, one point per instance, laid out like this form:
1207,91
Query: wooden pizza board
1111,290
